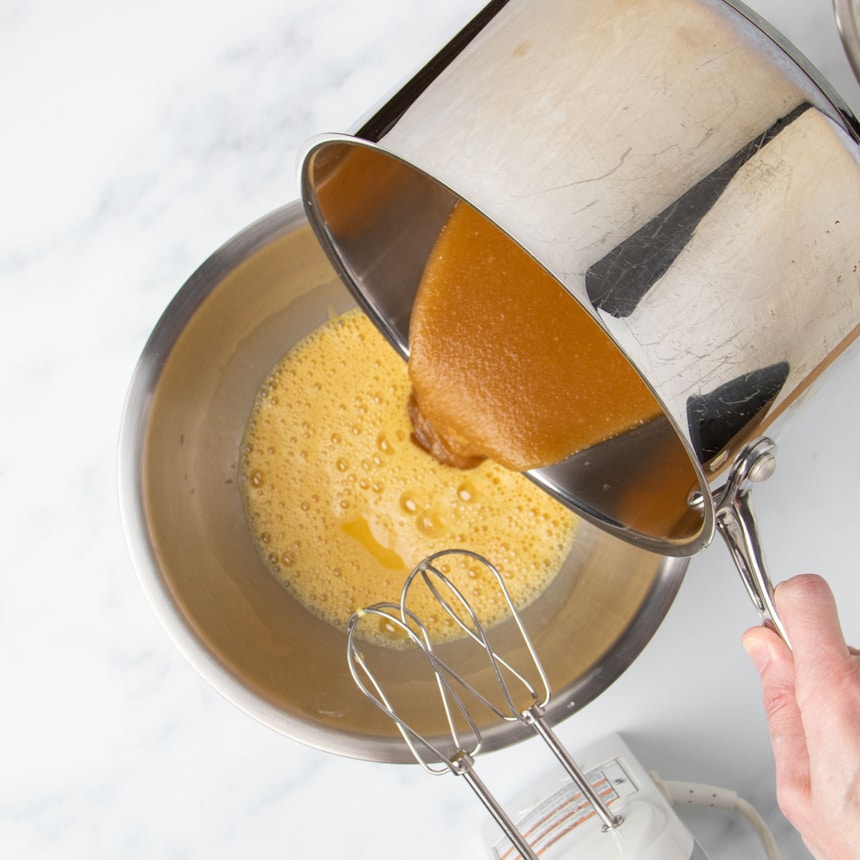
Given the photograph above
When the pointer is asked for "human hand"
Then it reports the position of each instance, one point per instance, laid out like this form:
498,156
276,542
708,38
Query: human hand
812,702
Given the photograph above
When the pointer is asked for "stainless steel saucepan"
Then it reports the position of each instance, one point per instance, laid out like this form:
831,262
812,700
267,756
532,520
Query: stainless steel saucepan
684,175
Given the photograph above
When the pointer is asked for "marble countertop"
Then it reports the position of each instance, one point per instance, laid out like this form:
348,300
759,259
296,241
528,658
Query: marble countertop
137,138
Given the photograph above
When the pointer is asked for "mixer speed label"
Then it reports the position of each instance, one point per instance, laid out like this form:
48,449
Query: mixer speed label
566,809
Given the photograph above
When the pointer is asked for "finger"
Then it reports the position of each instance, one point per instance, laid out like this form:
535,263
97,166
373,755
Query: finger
775,665
808,610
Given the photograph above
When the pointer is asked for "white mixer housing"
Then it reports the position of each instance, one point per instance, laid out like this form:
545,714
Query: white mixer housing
560,824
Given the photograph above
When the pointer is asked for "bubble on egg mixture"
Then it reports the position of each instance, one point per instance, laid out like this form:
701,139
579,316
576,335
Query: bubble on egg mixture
343,504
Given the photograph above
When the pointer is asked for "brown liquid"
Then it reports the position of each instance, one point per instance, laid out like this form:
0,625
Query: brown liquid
344,505
505,364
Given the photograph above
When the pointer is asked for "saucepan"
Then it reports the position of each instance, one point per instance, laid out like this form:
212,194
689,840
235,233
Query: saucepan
682,173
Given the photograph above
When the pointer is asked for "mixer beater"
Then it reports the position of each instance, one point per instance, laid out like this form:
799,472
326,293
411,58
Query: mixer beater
510,687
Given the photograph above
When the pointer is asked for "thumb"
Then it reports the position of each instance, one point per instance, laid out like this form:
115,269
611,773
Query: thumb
775,665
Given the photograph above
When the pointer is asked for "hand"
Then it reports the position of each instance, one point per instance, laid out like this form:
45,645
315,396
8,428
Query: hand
812,701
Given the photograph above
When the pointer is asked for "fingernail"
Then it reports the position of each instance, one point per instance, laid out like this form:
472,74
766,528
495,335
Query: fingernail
758,652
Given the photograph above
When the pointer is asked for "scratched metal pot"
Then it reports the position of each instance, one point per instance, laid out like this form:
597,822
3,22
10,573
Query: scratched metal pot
683,175
187,406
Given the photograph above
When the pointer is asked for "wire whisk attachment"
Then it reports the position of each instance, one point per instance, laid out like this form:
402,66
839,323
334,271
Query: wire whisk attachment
520,693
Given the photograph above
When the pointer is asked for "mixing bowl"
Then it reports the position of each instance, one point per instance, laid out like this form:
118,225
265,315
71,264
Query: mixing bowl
678,169
182,507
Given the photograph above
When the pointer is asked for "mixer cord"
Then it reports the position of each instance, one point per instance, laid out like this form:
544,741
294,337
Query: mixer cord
695,794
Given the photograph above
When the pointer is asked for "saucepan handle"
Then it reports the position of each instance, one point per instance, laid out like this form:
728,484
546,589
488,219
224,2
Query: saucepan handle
736,523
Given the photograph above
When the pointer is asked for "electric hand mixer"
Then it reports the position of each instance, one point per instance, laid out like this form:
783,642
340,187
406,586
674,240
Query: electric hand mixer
596,817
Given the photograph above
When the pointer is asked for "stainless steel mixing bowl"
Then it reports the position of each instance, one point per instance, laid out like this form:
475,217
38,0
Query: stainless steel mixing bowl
182,509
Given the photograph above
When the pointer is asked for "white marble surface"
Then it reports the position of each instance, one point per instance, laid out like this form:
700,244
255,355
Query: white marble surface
137,138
